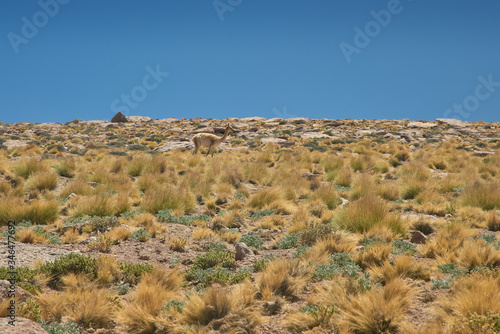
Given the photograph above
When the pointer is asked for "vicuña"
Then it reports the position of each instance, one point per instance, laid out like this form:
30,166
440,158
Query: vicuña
209,140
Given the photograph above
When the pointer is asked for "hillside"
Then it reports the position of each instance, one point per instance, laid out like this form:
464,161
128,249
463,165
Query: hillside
294,225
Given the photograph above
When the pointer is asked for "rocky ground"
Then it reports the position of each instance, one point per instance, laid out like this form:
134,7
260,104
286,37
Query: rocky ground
48,141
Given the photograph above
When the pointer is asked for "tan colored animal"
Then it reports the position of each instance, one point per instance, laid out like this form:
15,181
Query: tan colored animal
209,140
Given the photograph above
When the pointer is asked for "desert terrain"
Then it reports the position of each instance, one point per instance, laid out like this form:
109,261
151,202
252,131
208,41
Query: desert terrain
293,226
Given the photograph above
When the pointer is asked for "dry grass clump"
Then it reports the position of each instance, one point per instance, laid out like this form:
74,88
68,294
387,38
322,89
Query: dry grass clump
178,244
493,222
380,310
281,277
373,255
95,205
271,222
388,191
76,187
478,254
214,304
107,271
447,241
264,197
367,212
473,299
120,233
80,301
328,195
37,211
42,181
204,233
71,236
168,196
27,167
336,242
362,185
29,236
403,267
343,177
223,310
142,313
484,195
148,222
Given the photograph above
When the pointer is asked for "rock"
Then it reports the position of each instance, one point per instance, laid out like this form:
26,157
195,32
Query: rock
27,254
253,119
483,153
418,237
242,251
119,118
311,135
452,122
169,146
22,326
88,240
422,125
202,130
21,294
15,143
310,176
139,119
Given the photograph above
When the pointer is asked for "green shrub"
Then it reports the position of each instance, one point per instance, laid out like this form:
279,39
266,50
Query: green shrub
207,277
404,247
141,235
214,258
262,213
241,275
72,263
56,328
325,272
132,272
289,241
166,216
301,251
442,284
173,304
252,240
312,234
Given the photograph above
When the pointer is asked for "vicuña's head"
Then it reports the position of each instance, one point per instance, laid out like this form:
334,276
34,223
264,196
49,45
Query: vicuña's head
229,128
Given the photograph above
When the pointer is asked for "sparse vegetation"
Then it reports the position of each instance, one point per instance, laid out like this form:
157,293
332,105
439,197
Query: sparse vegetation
331,225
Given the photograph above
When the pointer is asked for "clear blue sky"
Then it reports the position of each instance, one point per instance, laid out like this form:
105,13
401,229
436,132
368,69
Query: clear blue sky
239,58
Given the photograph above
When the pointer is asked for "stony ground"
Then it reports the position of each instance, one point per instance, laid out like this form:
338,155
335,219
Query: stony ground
425,143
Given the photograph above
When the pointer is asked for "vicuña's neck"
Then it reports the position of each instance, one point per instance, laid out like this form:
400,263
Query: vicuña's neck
224,136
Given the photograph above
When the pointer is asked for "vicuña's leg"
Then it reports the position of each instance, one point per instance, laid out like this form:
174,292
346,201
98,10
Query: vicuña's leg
196,146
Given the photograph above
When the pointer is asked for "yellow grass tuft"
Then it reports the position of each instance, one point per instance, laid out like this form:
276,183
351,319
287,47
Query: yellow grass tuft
485,195
283,278
168,197
42,181
380,310
264,197
367,212
141,315
403,267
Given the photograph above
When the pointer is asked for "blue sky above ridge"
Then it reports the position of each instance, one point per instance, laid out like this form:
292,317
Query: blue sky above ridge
416,59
